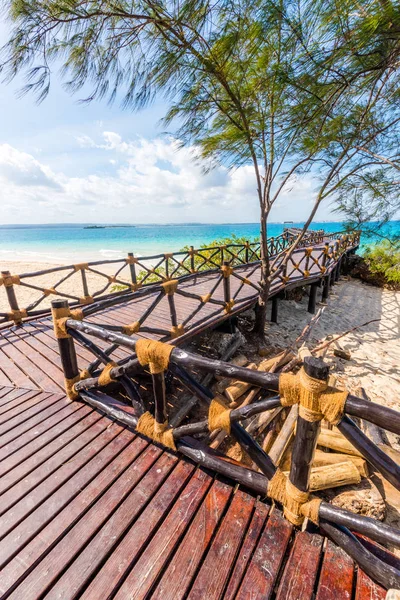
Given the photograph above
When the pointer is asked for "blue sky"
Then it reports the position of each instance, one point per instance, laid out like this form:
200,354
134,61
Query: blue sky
63,161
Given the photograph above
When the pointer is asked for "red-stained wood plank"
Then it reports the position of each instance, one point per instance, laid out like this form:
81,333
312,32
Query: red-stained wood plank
38,401
366,589
36,424
76,496
8,394
337,573
262,572
137,476
183,565
43,441
253,533
16,375
151,562
46,426
215,570
301,570
30,492
128,550
79,421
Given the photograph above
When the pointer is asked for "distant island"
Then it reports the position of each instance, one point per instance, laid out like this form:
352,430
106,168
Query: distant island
106,226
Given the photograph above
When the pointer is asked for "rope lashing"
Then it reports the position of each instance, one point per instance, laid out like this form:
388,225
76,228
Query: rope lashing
177,330
228,306
206,298
246,281
226,270
170,287
17,315
135,286
168,255
148,426
105,376
111,278
131,260
316,398
131,328
296,504
153,353
219,416
81,267
309,251
60,317
49,291
306,274
69,384
10,280
86,300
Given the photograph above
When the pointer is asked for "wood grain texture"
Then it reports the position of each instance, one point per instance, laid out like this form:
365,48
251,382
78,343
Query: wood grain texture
301,570
337,574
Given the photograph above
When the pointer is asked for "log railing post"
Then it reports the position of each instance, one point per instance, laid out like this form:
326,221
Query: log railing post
84,284
160,401
192,267
11,297
246,252
325,288
227,282
132,268
307,432
66,348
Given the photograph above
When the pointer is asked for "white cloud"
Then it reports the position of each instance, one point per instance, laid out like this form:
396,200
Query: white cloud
145,181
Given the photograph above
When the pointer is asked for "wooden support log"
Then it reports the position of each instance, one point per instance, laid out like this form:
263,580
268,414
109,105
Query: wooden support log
160,400
284,436
335,441
331,476
11,297
312,300
67,352
331,458
325,288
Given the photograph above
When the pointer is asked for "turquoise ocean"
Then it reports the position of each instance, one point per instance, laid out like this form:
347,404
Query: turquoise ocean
63,244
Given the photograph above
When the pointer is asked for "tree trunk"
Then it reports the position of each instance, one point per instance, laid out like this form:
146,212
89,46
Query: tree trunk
261,306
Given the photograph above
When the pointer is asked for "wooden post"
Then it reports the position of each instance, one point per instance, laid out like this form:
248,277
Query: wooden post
84,284
312,301
338,268
11,297
66,346
306,433
132,269
325,289
246,252
192,267
227,283
160,401
274,310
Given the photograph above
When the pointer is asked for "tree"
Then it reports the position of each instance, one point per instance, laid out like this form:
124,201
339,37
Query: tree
260,83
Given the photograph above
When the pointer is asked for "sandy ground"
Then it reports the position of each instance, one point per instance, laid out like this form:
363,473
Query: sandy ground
72,286
375,348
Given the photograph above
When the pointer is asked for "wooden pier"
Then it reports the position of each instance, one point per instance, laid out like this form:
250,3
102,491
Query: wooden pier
93,509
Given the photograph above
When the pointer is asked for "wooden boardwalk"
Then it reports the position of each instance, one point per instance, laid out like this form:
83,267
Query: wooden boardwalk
91,510
29,354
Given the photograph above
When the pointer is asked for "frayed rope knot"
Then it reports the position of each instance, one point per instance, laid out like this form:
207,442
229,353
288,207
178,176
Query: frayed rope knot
219,417
297,505
316,399
155,354
60,318
148,426
131,328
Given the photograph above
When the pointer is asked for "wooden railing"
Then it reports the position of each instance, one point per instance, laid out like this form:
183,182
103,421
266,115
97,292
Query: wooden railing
133,273
309,391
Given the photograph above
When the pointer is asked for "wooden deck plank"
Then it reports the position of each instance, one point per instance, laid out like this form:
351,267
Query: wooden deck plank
262,572
215,570
20,411
69,503
301,570
143,476
8,394
128,550
180,570
366,589
337,573
43,401
152,560
252,536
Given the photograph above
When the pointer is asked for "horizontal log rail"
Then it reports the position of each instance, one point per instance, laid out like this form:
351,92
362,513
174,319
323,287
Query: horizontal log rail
309,389
133,273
